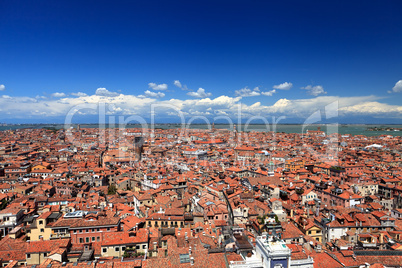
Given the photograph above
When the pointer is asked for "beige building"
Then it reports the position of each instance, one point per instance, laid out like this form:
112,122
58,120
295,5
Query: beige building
38,251
40,229
366,189
308,196
116,244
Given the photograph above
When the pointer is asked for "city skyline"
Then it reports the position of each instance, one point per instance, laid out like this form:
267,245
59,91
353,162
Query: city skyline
205,59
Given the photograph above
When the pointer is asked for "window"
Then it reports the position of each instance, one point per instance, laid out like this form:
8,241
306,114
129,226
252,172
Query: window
116,249
93,239
108,228
40,222
81,240
309,232
42,230
104,250
123,248
137,247
28,256
87,239
45,254
80,231
184,258
216,217
98,239
75,231
144,246
87,230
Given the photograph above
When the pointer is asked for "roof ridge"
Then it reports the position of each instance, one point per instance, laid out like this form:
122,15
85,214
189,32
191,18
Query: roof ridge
335,258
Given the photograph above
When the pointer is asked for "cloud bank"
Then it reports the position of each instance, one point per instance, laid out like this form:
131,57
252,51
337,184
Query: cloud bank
200,105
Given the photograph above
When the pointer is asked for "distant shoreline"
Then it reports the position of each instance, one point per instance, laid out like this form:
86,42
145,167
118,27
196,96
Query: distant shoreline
343,129
198,124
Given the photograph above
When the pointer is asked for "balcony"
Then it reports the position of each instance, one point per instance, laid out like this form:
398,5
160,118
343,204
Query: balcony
59,235
367,244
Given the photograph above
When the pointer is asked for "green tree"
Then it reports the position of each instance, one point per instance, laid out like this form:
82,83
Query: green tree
111,190
3,204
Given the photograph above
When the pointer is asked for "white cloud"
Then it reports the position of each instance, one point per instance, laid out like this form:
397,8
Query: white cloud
283,86
6,97
397,87
59,95
269,93
158,87
246,92
200,93
2,87
105,93
372,107
314,90
178,84
151,94
79,94
282,103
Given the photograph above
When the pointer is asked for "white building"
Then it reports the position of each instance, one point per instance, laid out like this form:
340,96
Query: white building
271,252
9,218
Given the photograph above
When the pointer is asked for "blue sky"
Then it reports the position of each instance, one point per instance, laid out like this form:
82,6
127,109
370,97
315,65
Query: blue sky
288,58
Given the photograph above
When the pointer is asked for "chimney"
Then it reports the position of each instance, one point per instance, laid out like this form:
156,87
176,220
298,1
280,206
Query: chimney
192,260
189,250
155,243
